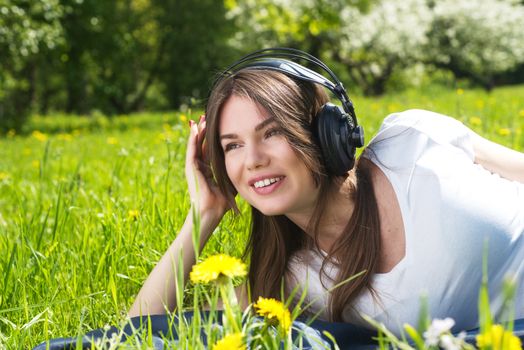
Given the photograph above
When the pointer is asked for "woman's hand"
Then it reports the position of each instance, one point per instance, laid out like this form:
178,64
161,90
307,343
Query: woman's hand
205,195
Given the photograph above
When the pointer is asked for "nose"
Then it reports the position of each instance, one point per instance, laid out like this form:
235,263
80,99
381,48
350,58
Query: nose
256,157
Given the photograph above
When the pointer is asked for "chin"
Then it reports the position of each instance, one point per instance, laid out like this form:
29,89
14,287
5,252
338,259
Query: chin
270,211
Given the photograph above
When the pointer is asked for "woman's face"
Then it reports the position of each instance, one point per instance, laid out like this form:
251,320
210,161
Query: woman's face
260,162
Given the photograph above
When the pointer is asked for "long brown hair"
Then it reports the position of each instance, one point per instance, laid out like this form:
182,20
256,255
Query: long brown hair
273,239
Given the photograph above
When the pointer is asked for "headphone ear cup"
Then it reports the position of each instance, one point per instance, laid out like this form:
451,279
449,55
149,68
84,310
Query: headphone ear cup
334,131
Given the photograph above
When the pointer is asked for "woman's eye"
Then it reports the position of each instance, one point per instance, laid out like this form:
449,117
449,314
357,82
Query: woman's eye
230,146
273,132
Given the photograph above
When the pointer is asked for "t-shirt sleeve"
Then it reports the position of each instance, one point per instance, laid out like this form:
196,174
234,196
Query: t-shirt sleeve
413,127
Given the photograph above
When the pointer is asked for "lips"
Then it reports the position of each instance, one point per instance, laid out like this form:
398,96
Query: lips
266,184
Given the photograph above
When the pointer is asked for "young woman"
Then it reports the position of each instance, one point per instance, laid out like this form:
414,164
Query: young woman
412,216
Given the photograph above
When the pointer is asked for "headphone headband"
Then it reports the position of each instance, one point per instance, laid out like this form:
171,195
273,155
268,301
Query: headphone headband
280,59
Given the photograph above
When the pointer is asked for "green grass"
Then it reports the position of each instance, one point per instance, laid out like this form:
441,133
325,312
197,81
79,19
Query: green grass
88,205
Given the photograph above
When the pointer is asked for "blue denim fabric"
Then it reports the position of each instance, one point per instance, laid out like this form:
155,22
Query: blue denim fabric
347,336
164,335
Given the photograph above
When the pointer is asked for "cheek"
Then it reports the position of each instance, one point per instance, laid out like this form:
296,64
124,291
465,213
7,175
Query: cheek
232,171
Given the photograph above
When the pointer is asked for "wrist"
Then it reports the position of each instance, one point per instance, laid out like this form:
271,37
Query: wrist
207,222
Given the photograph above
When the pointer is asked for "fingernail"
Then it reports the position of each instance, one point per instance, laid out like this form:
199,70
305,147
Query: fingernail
202,117
191,122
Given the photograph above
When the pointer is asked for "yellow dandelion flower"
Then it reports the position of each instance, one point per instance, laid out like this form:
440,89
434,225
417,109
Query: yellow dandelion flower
504,131
393,107
35,164
133,214
475,121
234,341
216,266
479,104
40,136
65,137
4,176
460,92
183,118
112,140
496,338
274,310
521,113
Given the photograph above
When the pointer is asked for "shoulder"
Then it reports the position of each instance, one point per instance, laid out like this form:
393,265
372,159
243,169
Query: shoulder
416,128
431,123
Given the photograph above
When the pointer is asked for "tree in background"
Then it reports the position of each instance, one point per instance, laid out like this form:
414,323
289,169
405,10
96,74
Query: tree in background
377,40
112,54
476,40
126,55
29,30
375,45
310,25
195,35
122,56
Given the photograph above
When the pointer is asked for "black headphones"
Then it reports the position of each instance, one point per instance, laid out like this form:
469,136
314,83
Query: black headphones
336,128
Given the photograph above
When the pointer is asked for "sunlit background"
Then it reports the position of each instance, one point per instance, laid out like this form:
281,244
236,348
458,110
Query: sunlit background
92,57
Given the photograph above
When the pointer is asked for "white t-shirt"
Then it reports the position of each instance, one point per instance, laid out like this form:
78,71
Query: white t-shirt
450,206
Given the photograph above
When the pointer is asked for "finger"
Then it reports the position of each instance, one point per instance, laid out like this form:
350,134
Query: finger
201,134
204,152
202,142
196,167
191,145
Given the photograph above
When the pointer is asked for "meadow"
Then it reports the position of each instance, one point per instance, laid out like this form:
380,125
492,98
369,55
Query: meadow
88,205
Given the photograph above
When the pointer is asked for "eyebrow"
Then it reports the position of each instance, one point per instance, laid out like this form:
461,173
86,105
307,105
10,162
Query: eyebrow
258,127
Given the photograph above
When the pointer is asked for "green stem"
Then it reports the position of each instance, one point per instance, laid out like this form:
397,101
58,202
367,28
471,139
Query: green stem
230,303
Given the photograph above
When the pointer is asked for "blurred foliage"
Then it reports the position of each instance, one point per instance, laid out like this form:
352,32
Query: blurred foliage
373,42
29,31
117,57
479,41
108,56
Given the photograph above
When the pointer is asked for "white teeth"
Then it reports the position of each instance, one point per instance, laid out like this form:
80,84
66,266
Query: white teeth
266,182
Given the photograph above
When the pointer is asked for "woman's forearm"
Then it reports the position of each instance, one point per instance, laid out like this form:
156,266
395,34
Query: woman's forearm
498,159
158,294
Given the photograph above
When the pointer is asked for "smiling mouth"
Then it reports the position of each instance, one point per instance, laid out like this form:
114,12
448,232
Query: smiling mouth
267,182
